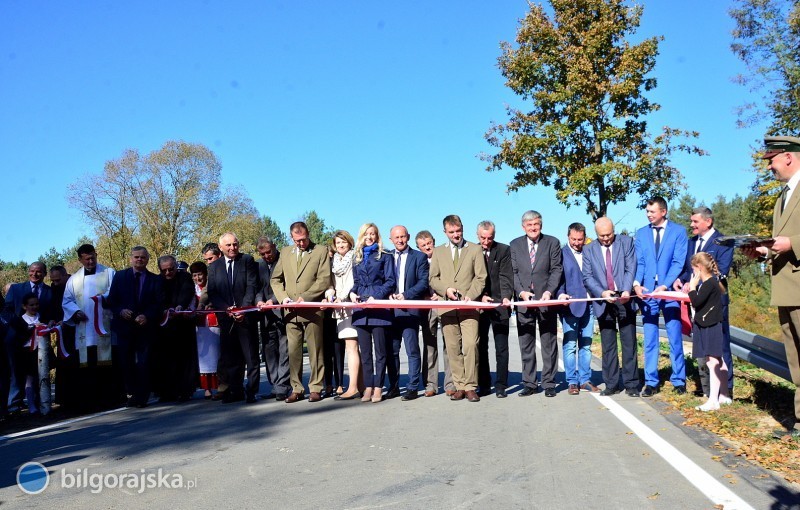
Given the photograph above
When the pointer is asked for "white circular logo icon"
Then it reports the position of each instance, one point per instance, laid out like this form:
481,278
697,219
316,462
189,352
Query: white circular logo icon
32,478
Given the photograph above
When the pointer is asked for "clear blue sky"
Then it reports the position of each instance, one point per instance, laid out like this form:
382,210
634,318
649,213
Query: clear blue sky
364,111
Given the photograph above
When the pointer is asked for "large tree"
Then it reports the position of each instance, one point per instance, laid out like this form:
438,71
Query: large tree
170,200
584,129
766,38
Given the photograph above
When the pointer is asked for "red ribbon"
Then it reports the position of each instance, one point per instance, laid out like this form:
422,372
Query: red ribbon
98,315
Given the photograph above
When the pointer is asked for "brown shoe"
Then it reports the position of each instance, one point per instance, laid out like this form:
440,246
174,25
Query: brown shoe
430,393
573,389
472,396
314,396
457,395
588,386
295,397
449,393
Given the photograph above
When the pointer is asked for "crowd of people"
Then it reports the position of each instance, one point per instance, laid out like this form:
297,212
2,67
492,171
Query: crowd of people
122,336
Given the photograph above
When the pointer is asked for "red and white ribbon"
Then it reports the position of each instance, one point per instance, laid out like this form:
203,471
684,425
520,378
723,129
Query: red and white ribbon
668,295
412,304
98,315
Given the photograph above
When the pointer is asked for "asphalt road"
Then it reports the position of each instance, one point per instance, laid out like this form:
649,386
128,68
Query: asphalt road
565,452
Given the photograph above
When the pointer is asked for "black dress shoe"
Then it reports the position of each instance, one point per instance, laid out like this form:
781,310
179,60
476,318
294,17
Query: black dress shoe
550,392
251,400
393,393
786,434
410,395
632,392
230,398
484,393
527,391
500,393
680,390
648,391
607,391
281,396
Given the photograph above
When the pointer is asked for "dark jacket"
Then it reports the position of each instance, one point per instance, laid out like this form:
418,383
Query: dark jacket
707,303
121,297
374,278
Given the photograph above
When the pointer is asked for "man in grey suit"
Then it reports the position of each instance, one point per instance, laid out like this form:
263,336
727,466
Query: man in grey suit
274,344
609,268
536,260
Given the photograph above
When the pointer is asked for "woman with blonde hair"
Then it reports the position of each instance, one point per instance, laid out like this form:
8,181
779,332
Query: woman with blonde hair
373,278
342,271
705,293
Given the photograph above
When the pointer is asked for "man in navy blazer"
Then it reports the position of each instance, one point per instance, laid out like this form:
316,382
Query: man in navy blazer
537,265
411,268
135,300
660,255
577,319
233,283
702,222
499,289
609,268
13,306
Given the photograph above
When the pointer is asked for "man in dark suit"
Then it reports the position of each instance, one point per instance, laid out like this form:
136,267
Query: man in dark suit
430,332
13,306
176,373
660,256
577,319
232,283
274,344
135,300
411,268
702,222
537,263
499,289
609,267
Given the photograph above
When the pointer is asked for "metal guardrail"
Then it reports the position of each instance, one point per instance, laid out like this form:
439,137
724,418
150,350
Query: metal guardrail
761,351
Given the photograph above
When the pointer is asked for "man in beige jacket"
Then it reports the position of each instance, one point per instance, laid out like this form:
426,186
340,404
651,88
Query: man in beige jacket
458,273
303,273
783,154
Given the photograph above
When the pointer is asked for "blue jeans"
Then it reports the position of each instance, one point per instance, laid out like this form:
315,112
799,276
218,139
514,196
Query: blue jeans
578,340
672,322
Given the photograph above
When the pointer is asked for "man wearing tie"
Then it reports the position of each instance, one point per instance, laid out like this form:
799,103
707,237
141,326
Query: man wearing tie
783,155
661,250
411,268
609,267
537,264
13,306
458,273
232,283
499,289
702,222
136,303
274,345
303,273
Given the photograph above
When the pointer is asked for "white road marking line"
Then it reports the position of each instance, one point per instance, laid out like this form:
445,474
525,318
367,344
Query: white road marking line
60,424
697,476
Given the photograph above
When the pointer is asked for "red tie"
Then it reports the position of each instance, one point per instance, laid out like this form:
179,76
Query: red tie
609,272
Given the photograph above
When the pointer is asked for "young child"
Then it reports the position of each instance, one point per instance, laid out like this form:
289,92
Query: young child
33,357
705,293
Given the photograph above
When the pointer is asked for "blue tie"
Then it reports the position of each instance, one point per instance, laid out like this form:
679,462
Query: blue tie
658,238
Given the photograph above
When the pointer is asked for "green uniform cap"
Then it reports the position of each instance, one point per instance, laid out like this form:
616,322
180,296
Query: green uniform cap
774,145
